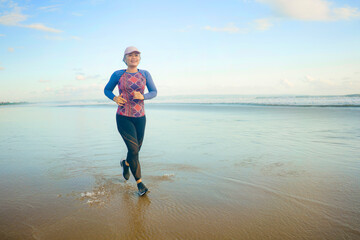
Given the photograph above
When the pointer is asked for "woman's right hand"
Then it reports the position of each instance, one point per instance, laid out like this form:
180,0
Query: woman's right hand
120,100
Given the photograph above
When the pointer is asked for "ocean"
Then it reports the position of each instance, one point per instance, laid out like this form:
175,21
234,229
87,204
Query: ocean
217,167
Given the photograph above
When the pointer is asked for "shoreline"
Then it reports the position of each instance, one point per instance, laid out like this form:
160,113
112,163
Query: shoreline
13,103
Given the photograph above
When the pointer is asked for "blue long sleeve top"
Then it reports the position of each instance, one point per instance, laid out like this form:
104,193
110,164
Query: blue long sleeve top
114,80
128,83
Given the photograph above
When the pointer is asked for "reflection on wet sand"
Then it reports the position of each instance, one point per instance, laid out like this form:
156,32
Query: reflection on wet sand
206,207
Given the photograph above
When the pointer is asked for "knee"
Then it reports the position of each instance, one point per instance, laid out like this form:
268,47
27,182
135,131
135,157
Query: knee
134,150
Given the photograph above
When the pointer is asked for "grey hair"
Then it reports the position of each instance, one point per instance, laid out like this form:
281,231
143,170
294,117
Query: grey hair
124,58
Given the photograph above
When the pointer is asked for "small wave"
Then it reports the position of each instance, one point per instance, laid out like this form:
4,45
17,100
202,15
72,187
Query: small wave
86,105
301,105
264,104
351,100
164,177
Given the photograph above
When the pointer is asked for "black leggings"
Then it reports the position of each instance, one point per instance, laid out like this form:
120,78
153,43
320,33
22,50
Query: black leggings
132,130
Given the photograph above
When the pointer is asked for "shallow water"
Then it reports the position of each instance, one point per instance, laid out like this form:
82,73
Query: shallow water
214,172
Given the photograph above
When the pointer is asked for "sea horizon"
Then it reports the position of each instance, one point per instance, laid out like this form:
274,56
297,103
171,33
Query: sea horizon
299,100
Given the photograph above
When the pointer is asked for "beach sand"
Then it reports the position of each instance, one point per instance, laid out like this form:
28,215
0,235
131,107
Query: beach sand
214,172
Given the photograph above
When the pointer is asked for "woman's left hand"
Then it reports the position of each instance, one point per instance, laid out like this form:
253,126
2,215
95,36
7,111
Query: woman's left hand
138,95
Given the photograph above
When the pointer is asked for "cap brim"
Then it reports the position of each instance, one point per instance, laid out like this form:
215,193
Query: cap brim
133,51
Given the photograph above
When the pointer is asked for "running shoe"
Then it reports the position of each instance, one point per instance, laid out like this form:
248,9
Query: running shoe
126,172
142,188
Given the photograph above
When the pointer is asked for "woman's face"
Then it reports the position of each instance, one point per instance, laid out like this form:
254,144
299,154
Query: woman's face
133,59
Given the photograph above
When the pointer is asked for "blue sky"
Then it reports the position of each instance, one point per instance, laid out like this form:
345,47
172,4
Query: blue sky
67,50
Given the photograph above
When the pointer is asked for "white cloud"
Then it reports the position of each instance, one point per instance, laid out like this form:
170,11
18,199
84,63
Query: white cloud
311,10
263,24
2,35
10,49
318,82
309,78
75,38
346,13
1,68
260,24
14,17
285,82
41,27
80,77
230,28
62,38
50,8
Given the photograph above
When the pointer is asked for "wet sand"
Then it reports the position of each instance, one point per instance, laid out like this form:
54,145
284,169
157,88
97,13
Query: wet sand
207,181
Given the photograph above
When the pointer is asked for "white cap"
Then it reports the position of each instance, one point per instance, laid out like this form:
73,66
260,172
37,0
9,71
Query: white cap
130,50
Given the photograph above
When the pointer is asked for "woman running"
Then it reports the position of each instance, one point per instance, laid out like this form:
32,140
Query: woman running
130,115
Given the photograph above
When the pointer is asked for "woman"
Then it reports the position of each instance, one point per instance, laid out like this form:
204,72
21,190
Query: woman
130,115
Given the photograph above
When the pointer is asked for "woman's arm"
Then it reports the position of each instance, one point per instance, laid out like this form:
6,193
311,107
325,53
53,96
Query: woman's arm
150,86
114,80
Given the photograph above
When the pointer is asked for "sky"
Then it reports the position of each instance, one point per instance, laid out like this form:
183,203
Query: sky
67,50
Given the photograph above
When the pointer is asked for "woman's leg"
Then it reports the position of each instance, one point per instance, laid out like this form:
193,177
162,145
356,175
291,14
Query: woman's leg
128,132
140,123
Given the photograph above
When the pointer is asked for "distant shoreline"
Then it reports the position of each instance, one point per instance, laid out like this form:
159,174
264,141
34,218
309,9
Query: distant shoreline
12,103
